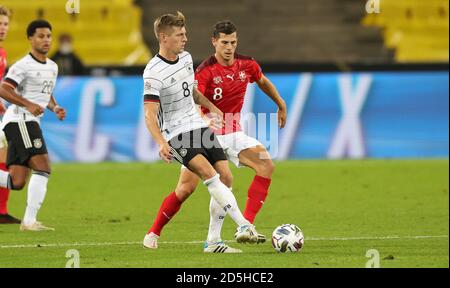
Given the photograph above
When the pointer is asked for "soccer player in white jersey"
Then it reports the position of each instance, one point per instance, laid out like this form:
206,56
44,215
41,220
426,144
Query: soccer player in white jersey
173,120
31,79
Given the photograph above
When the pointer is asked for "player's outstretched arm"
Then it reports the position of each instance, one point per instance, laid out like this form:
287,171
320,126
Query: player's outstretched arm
151,120
55,108
7,93
270,90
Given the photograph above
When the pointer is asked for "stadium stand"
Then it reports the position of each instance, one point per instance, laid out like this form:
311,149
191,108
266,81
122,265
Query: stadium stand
120,32
105,32
417,30
293,31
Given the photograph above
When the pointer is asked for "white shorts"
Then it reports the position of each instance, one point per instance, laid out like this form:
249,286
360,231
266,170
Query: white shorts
234,143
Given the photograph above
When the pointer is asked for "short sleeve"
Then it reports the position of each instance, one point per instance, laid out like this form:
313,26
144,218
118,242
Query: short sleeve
256,71
202,77
152,86
15,75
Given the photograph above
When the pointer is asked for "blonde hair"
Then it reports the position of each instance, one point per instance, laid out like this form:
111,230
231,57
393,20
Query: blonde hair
166,21
5,11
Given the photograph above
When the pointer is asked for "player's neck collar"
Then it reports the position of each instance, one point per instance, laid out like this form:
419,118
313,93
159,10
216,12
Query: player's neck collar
224,63
168,61
37,60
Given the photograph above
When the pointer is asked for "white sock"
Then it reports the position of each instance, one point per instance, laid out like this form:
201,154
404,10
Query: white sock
5,179
217,216
37,188
223,195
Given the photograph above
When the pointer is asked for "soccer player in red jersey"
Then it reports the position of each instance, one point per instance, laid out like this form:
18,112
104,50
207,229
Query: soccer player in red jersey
223,79
5,218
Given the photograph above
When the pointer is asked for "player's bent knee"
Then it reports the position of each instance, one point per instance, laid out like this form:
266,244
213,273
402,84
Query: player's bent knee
45,170
227,179
18,184
206,174
266,168
184,191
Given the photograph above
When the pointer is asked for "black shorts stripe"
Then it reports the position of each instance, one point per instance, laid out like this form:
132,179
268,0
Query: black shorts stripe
18,152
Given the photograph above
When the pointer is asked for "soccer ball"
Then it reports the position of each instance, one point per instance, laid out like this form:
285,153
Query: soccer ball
287,238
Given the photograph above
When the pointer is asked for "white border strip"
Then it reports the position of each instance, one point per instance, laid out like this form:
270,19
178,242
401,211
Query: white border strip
57,245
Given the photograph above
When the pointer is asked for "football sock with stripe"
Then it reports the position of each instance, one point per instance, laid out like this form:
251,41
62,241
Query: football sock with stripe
168,209
257,194
217,217
37,188
223,195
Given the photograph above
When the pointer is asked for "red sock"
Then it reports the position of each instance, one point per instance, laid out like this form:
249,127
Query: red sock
257,194
168,209
4,194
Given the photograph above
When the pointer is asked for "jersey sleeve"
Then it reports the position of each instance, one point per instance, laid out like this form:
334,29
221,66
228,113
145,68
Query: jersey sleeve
202,77
3,64
15,75
256,71
152,86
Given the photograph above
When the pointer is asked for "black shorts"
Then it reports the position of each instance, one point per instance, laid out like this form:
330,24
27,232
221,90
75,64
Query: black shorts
197,142
24,141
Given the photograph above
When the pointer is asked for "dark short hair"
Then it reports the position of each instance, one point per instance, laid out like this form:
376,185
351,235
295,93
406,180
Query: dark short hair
37,24
227,27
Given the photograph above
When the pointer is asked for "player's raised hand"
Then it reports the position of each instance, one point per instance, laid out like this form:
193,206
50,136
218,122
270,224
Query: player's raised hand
164,152
34,109
215,118
60,112
214,121
282,117
216,113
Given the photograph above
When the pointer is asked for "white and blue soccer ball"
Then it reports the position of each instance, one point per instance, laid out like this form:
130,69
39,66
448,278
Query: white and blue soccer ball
287,238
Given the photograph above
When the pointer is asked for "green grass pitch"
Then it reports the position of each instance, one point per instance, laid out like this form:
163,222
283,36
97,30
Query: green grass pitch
344,208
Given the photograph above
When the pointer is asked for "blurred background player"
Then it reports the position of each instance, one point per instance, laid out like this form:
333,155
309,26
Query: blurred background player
5,218
67,60
36,75
177,127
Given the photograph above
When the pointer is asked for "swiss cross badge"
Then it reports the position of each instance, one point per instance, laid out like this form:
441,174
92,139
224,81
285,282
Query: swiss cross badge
242,76
217,80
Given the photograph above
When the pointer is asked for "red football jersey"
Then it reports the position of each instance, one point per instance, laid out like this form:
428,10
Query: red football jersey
225,87
2,62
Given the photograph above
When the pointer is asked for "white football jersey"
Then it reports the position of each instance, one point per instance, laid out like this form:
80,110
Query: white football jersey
171,83
34,80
